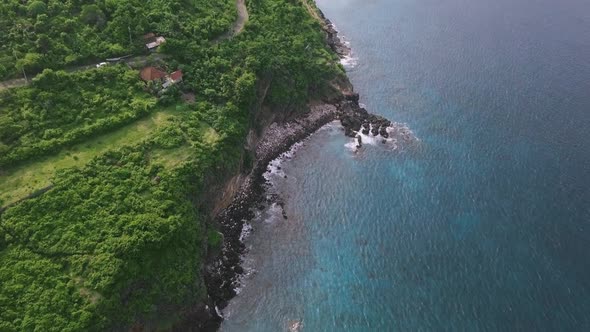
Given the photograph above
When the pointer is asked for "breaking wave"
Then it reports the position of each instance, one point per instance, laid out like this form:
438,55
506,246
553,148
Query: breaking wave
400,135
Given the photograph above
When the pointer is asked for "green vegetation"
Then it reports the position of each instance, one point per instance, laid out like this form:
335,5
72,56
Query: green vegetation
214,239
110,241
63,108
18,182
119,237
55,33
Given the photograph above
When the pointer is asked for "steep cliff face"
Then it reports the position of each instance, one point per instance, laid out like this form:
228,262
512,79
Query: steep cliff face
233,193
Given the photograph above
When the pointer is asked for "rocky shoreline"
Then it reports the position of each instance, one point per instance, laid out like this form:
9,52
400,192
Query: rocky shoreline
222,274
332,38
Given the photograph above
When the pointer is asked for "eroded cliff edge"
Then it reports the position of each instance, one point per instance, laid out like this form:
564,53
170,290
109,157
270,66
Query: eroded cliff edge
243,192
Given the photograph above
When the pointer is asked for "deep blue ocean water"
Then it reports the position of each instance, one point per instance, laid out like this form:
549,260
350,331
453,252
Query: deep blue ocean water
484,225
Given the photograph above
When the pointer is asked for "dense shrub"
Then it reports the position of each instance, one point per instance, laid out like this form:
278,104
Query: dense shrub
56,33
61,108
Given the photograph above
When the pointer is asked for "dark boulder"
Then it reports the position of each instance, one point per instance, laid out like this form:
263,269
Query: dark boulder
366,127
375,130
352,96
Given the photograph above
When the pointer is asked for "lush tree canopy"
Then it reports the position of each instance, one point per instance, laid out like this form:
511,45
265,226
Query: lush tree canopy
60,108
54,33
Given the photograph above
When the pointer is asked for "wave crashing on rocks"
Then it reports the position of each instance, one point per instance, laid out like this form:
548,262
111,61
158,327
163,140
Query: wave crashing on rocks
398,137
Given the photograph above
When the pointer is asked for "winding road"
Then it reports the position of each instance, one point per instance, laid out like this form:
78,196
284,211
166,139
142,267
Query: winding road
14,83
135,62
238,25
243,17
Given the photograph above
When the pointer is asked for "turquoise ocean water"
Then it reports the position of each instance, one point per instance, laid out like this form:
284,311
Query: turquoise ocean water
483,224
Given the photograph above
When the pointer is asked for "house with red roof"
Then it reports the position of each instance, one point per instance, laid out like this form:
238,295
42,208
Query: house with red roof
176,76
152,73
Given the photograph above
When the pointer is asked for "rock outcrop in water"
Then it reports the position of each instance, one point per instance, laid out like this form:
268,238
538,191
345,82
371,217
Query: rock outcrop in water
355,118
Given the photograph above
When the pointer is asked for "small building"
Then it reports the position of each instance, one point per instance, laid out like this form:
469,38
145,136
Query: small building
172,79
156,43
176,76
152,73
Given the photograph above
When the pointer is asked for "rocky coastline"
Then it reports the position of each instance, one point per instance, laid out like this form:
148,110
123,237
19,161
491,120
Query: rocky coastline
332,38
223,272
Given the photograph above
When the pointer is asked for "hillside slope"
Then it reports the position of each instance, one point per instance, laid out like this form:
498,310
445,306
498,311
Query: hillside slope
114,238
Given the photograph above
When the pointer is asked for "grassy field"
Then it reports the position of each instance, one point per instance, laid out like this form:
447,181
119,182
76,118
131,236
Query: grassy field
27,178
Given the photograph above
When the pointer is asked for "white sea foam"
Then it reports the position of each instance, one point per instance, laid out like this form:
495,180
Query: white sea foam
370,139
295,325
274,212
219,313
398,134
246,230
273,169
333,126
349,61
249,271
352,145
402,133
